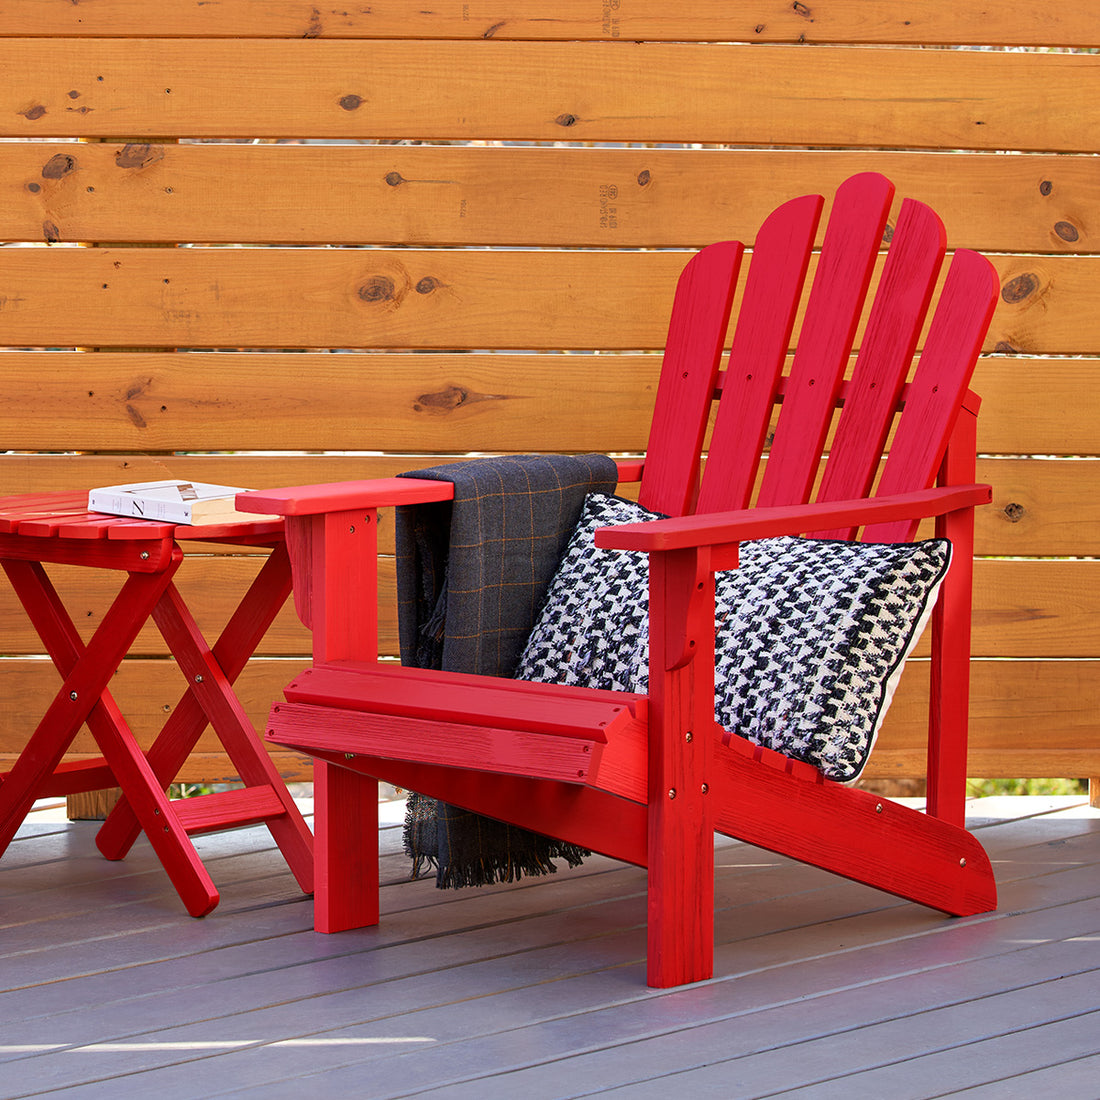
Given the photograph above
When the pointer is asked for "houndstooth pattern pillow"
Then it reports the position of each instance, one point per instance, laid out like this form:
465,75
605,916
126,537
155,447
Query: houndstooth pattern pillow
811,634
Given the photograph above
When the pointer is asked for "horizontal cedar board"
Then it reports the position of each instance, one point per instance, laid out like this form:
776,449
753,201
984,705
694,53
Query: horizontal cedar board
432,298
1021,608
1038,406
1013,22
1029,718
1025,717
449,195
1040,507
388,402
570,91
196,401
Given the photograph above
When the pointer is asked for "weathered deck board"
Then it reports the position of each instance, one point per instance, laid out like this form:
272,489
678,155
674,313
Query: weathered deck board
824,988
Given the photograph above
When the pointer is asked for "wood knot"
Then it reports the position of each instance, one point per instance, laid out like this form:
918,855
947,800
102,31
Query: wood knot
57,166
351,102
644,177
1046,187
378,288
566,120
1067,231
394,179
138,155
428,284
1016,290
446,400
31,114
1014,512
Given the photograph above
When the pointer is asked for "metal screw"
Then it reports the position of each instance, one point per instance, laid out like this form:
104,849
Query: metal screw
705,788
878,808
672,792
689,737
962,862
198,679
73,695
145,555
349,756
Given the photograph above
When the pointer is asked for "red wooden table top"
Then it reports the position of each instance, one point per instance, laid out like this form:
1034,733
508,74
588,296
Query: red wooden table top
66,515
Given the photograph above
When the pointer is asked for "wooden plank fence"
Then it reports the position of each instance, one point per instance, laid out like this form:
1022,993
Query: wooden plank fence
473,221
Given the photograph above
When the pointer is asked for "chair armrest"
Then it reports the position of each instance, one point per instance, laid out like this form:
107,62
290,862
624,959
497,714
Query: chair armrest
722,528
343,496
630,469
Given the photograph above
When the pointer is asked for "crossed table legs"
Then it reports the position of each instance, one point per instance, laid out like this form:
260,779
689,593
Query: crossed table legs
143,778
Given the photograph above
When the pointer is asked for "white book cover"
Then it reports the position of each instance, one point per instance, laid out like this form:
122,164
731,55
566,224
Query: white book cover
190,502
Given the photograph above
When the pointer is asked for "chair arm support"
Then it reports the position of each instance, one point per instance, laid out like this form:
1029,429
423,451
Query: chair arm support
722,528
343,496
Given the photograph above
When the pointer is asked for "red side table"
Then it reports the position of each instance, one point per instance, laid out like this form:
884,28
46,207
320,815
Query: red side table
56,528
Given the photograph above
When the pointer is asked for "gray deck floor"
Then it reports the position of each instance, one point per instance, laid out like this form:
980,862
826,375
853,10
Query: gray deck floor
825,988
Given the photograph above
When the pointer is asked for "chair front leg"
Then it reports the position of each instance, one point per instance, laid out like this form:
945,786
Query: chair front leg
681,750
340,589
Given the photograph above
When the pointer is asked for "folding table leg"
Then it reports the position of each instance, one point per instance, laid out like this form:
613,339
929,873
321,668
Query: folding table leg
210,698
84,698
86,676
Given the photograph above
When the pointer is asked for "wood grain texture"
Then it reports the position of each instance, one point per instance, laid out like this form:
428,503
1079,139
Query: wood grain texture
569,92
441,402
392,72
371,194
1040,507
226,401
917,21
432,298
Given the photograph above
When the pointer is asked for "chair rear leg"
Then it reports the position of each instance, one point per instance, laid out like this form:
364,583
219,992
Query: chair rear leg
949,686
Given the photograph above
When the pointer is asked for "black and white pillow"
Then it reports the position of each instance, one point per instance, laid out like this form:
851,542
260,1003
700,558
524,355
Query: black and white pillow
811,634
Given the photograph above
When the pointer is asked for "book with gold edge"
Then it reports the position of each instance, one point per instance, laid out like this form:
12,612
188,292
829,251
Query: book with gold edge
188,502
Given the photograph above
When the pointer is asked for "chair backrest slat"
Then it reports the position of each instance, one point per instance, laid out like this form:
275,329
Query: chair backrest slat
885,356
844,270
943,373
773,288
870,403
693,354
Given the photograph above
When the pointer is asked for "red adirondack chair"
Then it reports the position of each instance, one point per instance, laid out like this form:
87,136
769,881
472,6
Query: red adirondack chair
649,778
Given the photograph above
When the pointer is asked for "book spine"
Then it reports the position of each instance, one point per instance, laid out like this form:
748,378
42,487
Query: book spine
126,504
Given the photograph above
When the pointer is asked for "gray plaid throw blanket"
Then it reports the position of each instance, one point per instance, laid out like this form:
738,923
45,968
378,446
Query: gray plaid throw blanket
471,576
